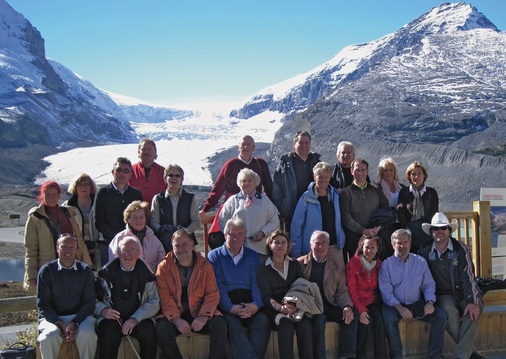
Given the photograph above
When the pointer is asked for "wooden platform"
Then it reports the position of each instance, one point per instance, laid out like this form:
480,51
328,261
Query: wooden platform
491,338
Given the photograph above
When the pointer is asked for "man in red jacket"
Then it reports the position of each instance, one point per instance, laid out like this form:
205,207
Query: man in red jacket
189,298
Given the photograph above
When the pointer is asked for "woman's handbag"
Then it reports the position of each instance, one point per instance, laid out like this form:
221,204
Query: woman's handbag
18,351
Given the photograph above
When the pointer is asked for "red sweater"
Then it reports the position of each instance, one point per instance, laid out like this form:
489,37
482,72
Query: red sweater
149,187
362,286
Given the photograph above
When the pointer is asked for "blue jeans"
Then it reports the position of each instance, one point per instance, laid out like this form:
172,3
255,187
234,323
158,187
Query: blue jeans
461,328
248,338
391,318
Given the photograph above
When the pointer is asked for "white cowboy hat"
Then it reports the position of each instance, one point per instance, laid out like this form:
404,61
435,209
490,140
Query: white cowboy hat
439,220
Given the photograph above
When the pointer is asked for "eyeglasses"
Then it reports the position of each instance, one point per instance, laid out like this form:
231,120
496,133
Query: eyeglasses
123,170
84,184
173,175
438,228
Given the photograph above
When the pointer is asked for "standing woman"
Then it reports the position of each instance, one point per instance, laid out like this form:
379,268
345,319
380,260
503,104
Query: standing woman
388,179
174,208
44,226
318,209
83,190
417,204
362,279
275,277
389,182
147,175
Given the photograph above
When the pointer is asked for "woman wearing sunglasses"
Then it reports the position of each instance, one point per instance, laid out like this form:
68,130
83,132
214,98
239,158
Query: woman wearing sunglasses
174,208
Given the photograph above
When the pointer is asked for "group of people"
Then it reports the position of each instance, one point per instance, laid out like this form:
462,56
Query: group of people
289,254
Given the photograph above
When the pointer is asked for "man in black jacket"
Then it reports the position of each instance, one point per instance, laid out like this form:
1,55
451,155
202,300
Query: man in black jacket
457,290
110,204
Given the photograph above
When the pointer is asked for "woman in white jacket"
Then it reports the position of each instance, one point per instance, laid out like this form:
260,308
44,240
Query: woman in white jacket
255,209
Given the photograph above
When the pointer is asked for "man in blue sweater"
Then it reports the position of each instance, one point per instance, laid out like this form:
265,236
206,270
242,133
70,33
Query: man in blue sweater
66,300
235,267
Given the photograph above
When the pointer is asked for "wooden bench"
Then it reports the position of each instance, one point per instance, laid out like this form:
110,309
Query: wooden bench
491,339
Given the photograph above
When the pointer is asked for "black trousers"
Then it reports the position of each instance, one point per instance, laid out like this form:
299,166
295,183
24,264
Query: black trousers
167,332
110,335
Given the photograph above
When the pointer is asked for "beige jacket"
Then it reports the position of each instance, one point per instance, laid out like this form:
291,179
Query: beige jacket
334,278
40,247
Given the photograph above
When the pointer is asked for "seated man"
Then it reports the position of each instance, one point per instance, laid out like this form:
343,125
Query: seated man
408,291
457,290
330,274
128,302
65,299
236,267
189,298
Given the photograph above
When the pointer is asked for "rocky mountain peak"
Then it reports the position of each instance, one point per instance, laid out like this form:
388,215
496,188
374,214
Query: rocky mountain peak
355,61
450,17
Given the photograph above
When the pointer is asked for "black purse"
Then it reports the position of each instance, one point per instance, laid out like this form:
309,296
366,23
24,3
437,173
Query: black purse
383,216
18,351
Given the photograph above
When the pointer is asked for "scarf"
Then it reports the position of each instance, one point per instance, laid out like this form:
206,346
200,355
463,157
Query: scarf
367,266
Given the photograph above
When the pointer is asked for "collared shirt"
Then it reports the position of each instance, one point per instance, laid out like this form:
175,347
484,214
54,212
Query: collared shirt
284,273
361,187
243,160
413,190
238,257
406,282
439,254
117,188
73,266
174,200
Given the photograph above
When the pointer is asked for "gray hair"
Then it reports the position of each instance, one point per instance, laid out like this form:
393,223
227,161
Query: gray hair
342,144
400,232
248,173
123,241
236,222
318,233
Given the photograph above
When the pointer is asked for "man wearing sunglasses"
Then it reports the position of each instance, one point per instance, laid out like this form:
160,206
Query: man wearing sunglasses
457,290
111,202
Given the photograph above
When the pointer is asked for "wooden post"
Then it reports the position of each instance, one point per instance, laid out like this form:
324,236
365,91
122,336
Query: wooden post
483,246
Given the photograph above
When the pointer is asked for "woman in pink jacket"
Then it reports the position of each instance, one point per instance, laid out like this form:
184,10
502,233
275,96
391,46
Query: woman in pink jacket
362,278
136,216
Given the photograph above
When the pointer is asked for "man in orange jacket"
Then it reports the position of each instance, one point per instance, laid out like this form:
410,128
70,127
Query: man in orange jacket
189,298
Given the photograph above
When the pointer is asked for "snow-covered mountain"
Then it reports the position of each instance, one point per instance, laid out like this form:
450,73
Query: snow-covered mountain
43,102
440,77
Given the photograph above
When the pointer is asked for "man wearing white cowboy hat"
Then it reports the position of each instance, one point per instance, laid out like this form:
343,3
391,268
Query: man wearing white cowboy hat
457,290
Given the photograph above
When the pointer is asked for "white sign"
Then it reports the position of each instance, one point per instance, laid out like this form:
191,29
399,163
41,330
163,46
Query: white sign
497,199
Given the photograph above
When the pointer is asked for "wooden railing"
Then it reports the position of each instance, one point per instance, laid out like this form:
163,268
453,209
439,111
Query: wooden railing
474,230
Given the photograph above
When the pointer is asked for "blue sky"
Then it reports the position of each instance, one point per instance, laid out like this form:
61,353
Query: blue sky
173,52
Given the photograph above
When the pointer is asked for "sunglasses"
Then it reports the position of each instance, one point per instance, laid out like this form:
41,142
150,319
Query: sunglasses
123,170
438,228
173,175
